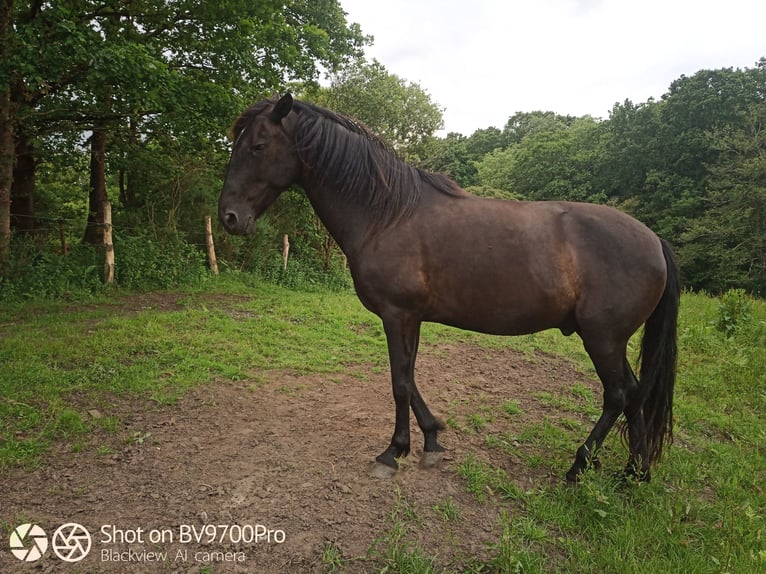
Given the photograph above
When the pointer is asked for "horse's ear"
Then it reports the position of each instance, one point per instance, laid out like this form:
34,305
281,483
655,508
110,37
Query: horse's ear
283,107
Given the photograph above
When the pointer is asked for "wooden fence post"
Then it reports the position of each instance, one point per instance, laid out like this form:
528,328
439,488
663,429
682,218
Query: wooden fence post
210,245
62,237
285,251
109,247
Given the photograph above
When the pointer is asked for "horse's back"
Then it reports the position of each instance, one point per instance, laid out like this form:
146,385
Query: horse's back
509,267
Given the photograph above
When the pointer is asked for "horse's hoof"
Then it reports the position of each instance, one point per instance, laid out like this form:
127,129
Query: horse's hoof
573,477
431,459
380,470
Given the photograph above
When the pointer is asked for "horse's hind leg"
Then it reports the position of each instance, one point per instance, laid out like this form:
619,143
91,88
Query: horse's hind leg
638,463
609,360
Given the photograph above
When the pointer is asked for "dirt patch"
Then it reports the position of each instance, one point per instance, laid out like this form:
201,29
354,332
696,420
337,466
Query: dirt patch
289,452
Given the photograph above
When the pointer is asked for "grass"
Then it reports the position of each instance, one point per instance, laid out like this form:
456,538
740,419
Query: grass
704,512
394,550
56,355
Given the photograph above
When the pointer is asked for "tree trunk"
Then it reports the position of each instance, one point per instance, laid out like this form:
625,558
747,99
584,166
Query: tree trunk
94,229
23,188
7,149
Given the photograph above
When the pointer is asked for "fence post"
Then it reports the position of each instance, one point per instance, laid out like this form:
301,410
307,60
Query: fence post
210,245
108,246
285,251
62,237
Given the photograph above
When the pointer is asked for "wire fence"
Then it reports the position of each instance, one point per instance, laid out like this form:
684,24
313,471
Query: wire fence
57,225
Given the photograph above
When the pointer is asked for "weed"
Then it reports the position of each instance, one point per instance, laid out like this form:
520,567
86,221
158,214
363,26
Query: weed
70,423
518,548
583,392
482,480
447,510
477,422
734,311
332,558
140,438
512,408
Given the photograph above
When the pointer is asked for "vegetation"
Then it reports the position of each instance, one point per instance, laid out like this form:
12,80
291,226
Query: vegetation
690,166
130,101
703,511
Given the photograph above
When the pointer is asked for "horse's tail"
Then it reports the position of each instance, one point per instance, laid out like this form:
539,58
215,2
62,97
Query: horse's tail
658,361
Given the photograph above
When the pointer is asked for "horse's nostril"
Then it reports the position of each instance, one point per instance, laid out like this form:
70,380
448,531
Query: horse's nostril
230,219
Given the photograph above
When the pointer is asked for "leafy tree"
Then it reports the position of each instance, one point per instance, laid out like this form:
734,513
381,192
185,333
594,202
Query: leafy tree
149,77
450,156
523,124
725,245
554,163
483,141
401,112
631,147
498,169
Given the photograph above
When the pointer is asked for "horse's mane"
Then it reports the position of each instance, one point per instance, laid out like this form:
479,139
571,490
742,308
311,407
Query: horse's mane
342,152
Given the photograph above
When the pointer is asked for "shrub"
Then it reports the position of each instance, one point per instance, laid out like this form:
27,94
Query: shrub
145,261
39,272
734,311
142,262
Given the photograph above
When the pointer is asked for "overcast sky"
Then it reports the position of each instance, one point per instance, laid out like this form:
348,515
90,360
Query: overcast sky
484,60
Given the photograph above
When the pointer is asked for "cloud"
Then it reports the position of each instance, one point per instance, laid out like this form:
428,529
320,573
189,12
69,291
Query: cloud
573,57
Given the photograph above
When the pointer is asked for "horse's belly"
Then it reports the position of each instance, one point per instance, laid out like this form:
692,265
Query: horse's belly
499,311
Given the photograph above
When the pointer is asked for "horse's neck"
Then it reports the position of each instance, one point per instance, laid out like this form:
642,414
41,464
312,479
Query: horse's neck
348,222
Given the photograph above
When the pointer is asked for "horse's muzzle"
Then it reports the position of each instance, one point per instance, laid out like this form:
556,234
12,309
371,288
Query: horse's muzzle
236,223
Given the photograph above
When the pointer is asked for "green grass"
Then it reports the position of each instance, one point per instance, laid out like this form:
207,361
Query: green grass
55,354
704,512
705,509
395,550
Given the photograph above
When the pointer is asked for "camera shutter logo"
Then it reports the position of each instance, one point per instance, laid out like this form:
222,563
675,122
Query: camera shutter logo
28,542
71,542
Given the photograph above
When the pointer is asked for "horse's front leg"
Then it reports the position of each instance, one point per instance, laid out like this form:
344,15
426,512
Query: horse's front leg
402,335
433,452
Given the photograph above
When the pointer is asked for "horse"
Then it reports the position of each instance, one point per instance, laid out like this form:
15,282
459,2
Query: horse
421,249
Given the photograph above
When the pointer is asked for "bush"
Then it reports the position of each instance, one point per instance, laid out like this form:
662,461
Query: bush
39,272
303,275
734,311
145,261
142,262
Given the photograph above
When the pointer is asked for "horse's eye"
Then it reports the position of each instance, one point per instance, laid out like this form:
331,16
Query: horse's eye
255,148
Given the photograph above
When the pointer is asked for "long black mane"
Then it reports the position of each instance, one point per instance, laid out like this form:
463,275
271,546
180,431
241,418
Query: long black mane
339,151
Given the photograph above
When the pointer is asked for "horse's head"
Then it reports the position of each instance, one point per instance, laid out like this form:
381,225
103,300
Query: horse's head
263,164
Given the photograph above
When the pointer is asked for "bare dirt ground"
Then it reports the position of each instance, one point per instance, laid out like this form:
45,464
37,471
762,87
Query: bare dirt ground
286,453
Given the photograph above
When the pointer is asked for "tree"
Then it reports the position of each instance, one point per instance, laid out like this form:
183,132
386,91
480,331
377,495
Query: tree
399,111
560,162
498,169
7,128
523,124
725,246
450,156
483,141
131,72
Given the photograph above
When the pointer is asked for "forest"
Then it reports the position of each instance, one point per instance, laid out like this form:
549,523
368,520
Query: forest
130,101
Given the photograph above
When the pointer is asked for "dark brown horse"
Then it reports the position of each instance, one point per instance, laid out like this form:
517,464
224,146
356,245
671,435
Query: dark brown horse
421,249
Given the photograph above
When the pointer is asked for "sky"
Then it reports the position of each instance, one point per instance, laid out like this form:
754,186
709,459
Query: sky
484,60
